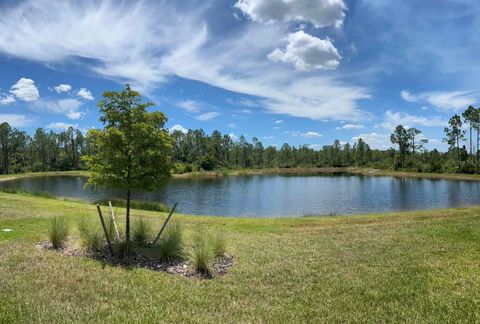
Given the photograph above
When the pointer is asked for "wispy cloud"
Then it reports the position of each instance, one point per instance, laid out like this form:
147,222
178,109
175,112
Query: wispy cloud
17,120
183,45
392,119
443,100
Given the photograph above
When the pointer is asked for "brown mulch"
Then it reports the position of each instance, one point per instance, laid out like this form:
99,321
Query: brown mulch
184,268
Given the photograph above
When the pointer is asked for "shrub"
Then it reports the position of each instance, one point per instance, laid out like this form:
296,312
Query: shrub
135,204
58,231
172,246
203,252
91,236
141,231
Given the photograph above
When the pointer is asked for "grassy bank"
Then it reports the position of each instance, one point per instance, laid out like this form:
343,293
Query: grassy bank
416,266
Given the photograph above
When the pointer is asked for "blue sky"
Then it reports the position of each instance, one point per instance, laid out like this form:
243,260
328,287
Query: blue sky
296,71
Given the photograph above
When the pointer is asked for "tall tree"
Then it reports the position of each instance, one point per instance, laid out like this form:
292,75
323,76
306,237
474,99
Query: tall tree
5,135
133,151
469,117
454,135
401,137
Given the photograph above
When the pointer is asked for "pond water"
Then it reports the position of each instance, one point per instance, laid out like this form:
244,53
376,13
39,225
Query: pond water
281,195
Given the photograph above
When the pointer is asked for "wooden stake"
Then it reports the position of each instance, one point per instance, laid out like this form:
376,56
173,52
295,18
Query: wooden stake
113,220
105,229
165,224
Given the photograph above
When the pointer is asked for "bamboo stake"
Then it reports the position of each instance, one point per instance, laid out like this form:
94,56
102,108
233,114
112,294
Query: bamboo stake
105,229
113,220
165,224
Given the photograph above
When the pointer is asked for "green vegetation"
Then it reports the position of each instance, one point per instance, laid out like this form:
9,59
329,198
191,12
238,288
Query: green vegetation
58,231
197,151
203,252
135,204
91,236
141,231
133,151
171,246
397,267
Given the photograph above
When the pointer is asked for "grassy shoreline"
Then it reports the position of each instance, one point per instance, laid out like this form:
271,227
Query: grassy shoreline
274,171
409,266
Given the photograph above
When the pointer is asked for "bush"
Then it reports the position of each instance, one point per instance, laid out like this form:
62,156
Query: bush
135,204
203,252
91,236
172,246
141,231
58,231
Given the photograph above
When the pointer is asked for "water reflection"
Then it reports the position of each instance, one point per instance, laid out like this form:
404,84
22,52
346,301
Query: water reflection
277,195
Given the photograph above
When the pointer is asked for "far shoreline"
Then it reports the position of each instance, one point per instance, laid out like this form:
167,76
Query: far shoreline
273,171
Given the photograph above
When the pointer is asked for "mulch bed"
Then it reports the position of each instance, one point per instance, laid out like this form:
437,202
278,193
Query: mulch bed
184,268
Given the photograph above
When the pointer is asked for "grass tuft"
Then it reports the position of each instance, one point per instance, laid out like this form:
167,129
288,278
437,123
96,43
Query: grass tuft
91,237
172,246
58,231
141,231
203,252
219,244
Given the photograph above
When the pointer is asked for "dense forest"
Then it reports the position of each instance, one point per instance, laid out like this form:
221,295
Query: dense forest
196,150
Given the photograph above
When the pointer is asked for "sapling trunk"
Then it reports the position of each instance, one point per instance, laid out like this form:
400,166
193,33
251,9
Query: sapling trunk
127,219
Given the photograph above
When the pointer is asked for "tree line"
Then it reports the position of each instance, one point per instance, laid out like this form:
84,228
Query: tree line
196,150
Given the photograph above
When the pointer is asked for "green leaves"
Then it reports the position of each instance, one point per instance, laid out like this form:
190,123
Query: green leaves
133,151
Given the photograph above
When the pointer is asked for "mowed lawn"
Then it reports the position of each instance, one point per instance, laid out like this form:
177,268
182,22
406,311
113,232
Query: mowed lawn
417,266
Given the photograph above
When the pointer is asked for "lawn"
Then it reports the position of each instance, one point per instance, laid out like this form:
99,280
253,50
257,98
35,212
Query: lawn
415,266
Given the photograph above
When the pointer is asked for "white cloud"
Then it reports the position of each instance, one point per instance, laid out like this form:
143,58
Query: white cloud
62,88
351,126
190,105
25,90
375,140
233,136
61,126
178,127
68,107
51,32
17,120
392,119
74,115
321,13
246,111
207,116
7,99
443,100
309,134
85,94
307,53
279,121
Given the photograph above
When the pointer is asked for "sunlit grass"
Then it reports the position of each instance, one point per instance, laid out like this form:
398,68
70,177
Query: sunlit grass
396,267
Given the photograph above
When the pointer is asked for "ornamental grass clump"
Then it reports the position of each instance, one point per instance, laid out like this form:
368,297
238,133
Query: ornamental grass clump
171,246
203,253
58,231
141,231
219,244
91,237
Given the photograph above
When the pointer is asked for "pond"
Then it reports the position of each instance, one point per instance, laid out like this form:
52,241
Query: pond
281,195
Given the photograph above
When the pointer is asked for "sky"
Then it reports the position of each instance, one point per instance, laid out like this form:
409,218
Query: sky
295,71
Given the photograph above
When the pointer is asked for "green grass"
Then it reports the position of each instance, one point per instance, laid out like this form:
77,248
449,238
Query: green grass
397,267
135,204
58,231
203,252
171,246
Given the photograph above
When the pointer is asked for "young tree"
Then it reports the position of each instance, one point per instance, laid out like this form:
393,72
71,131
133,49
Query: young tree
414,144
455,134
133,151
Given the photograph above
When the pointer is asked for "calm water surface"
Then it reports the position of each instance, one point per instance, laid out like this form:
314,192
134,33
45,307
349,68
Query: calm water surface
281,195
